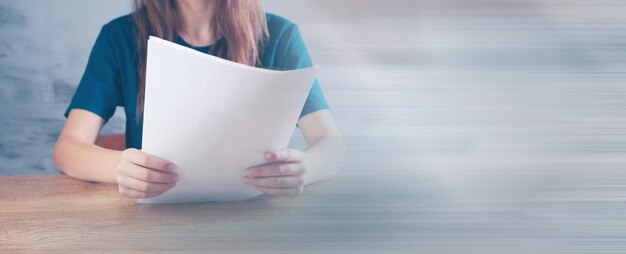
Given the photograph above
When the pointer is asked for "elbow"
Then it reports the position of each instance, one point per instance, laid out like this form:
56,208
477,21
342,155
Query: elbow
60,155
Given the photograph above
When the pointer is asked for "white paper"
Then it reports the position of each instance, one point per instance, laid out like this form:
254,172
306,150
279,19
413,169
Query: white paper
214,118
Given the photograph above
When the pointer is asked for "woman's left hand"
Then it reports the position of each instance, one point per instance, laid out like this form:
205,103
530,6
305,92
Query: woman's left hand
282,176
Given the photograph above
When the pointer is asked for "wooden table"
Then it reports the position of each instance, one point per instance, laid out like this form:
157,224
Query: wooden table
351,213
45,213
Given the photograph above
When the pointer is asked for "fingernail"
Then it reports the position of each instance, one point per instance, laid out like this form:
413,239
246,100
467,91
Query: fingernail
247,180
171,167
269,156
176,178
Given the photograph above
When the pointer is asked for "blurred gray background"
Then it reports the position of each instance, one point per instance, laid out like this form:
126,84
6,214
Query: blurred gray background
512,112
44,46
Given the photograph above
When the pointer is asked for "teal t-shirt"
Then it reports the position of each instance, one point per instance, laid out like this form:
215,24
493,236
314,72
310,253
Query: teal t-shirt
111,77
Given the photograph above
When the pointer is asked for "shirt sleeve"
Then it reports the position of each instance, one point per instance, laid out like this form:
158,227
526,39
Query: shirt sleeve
99,88
297,57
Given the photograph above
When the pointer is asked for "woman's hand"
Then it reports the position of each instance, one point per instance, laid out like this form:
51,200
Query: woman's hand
282,176
141,175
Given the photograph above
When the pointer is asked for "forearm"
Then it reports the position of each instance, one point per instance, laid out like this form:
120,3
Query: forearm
86,161
324,158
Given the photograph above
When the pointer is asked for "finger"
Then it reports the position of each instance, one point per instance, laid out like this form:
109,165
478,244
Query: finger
135,184
287,155
147,160
275,169
281,192
137,194
274,182
147,175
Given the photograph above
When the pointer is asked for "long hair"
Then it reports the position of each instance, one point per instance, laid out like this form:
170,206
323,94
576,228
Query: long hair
240,23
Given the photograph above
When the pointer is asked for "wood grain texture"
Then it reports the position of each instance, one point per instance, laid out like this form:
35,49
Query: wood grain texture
57,213
354,212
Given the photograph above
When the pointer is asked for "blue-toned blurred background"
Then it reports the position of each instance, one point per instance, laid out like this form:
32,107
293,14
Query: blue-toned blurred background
501,115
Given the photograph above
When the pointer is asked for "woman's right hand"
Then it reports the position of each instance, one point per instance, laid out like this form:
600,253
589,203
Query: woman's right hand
142,175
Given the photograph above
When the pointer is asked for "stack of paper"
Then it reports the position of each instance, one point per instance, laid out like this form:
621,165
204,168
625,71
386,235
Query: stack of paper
214,118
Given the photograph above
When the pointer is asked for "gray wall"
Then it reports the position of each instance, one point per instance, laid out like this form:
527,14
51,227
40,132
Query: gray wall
44,47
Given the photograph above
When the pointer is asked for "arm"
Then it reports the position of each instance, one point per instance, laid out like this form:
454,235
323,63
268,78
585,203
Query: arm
138,174
76,154
326,152
289,169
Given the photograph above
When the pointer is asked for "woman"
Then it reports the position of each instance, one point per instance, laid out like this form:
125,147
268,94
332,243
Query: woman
239,31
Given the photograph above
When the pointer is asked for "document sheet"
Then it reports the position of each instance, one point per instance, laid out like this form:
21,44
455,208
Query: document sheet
214,118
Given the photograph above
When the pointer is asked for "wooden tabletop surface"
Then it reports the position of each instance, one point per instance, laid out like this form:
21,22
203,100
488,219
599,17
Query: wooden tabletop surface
44,213
350,213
